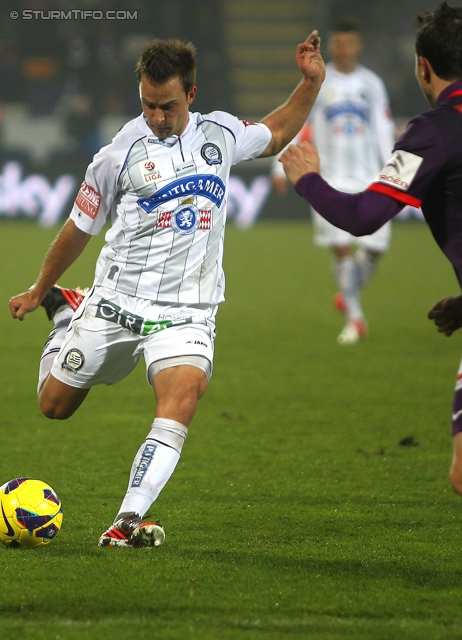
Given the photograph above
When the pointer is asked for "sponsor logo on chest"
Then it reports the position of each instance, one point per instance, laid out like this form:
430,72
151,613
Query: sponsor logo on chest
209,186
185,219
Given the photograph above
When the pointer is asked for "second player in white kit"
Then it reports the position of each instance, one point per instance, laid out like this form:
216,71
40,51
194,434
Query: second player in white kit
353,132
352,129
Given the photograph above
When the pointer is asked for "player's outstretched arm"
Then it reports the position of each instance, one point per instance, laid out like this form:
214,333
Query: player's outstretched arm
447,315
66,248
287,120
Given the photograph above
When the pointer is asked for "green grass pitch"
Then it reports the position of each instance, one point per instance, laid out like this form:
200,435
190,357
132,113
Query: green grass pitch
294,511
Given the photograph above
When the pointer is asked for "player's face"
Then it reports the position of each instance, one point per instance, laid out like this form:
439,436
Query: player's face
344,49
166,106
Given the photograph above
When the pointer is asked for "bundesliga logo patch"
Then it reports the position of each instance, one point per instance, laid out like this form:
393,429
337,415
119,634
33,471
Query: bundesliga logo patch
150,170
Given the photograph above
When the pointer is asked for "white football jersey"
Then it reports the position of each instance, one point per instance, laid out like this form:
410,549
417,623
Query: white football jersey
166,201
352,127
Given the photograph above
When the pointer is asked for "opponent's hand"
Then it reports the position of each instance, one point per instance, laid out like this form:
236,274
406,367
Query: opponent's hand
447,315
309,59
299,159
24,303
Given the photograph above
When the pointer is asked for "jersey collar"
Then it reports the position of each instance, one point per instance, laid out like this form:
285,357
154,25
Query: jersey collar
169,142
454,90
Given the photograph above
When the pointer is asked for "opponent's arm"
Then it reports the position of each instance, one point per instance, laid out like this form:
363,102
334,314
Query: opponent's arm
65,249
287,120
447,315
358,213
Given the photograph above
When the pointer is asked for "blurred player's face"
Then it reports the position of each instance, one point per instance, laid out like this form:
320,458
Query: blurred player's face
166,106
344,49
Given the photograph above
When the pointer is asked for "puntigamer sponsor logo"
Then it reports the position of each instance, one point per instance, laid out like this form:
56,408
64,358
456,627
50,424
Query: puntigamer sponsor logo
209,186
144,464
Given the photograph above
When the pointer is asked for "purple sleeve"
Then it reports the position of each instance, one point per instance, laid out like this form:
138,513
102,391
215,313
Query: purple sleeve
358,213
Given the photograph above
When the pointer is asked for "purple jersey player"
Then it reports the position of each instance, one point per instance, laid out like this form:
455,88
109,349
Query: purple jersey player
425,170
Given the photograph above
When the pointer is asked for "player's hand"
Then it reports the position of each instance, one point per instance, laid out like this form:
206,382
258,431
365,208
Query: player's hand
447,315
23,303
309,59
299,159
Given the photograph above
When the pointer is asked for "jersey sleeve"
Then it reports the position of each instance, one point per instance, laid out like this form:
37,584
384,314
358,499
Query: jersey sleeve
97,193
250,138
417,158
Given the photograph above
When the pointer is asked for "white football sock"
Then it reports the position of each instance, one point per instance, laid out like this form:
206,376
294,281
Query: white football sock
348,280
366,264
153,465
52,346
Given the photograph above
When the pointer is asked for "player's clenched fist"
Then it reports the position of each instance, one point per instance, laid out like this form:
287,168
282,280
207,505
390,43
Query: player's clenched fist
447,315
299,159
22,304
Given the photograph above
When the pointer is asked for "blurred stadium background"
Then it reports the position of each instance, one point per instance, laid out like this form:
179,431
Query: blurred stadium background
67,83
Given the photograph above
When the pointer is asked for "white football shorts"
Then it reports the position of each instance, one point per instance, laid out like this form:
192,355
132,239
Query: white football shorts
326,235
110,332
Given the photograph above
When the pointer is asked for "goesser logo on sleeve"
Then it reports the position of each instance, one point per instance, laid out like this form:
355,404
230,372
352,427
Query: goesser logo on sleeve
88,200
400,170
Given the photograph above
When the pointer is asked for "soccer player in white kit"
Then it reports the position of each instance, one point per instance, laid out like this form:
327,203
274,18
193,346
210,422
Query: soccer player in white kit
353,131
162,185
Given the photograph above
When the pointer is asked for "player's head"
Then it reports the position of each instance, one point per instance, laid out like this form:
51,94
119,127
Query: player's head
345,45
166,73
162,60
439,40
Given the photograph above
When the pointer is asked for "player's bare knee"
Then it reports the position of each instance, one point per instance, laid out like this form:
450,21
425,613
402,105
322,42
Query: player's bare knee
194,389
54,410
186,398
60,403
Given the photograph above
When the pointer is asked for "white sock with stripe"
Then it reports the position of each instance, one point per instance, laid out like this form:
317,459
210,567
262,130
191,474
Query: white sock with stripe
366,264
153,465
348,280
